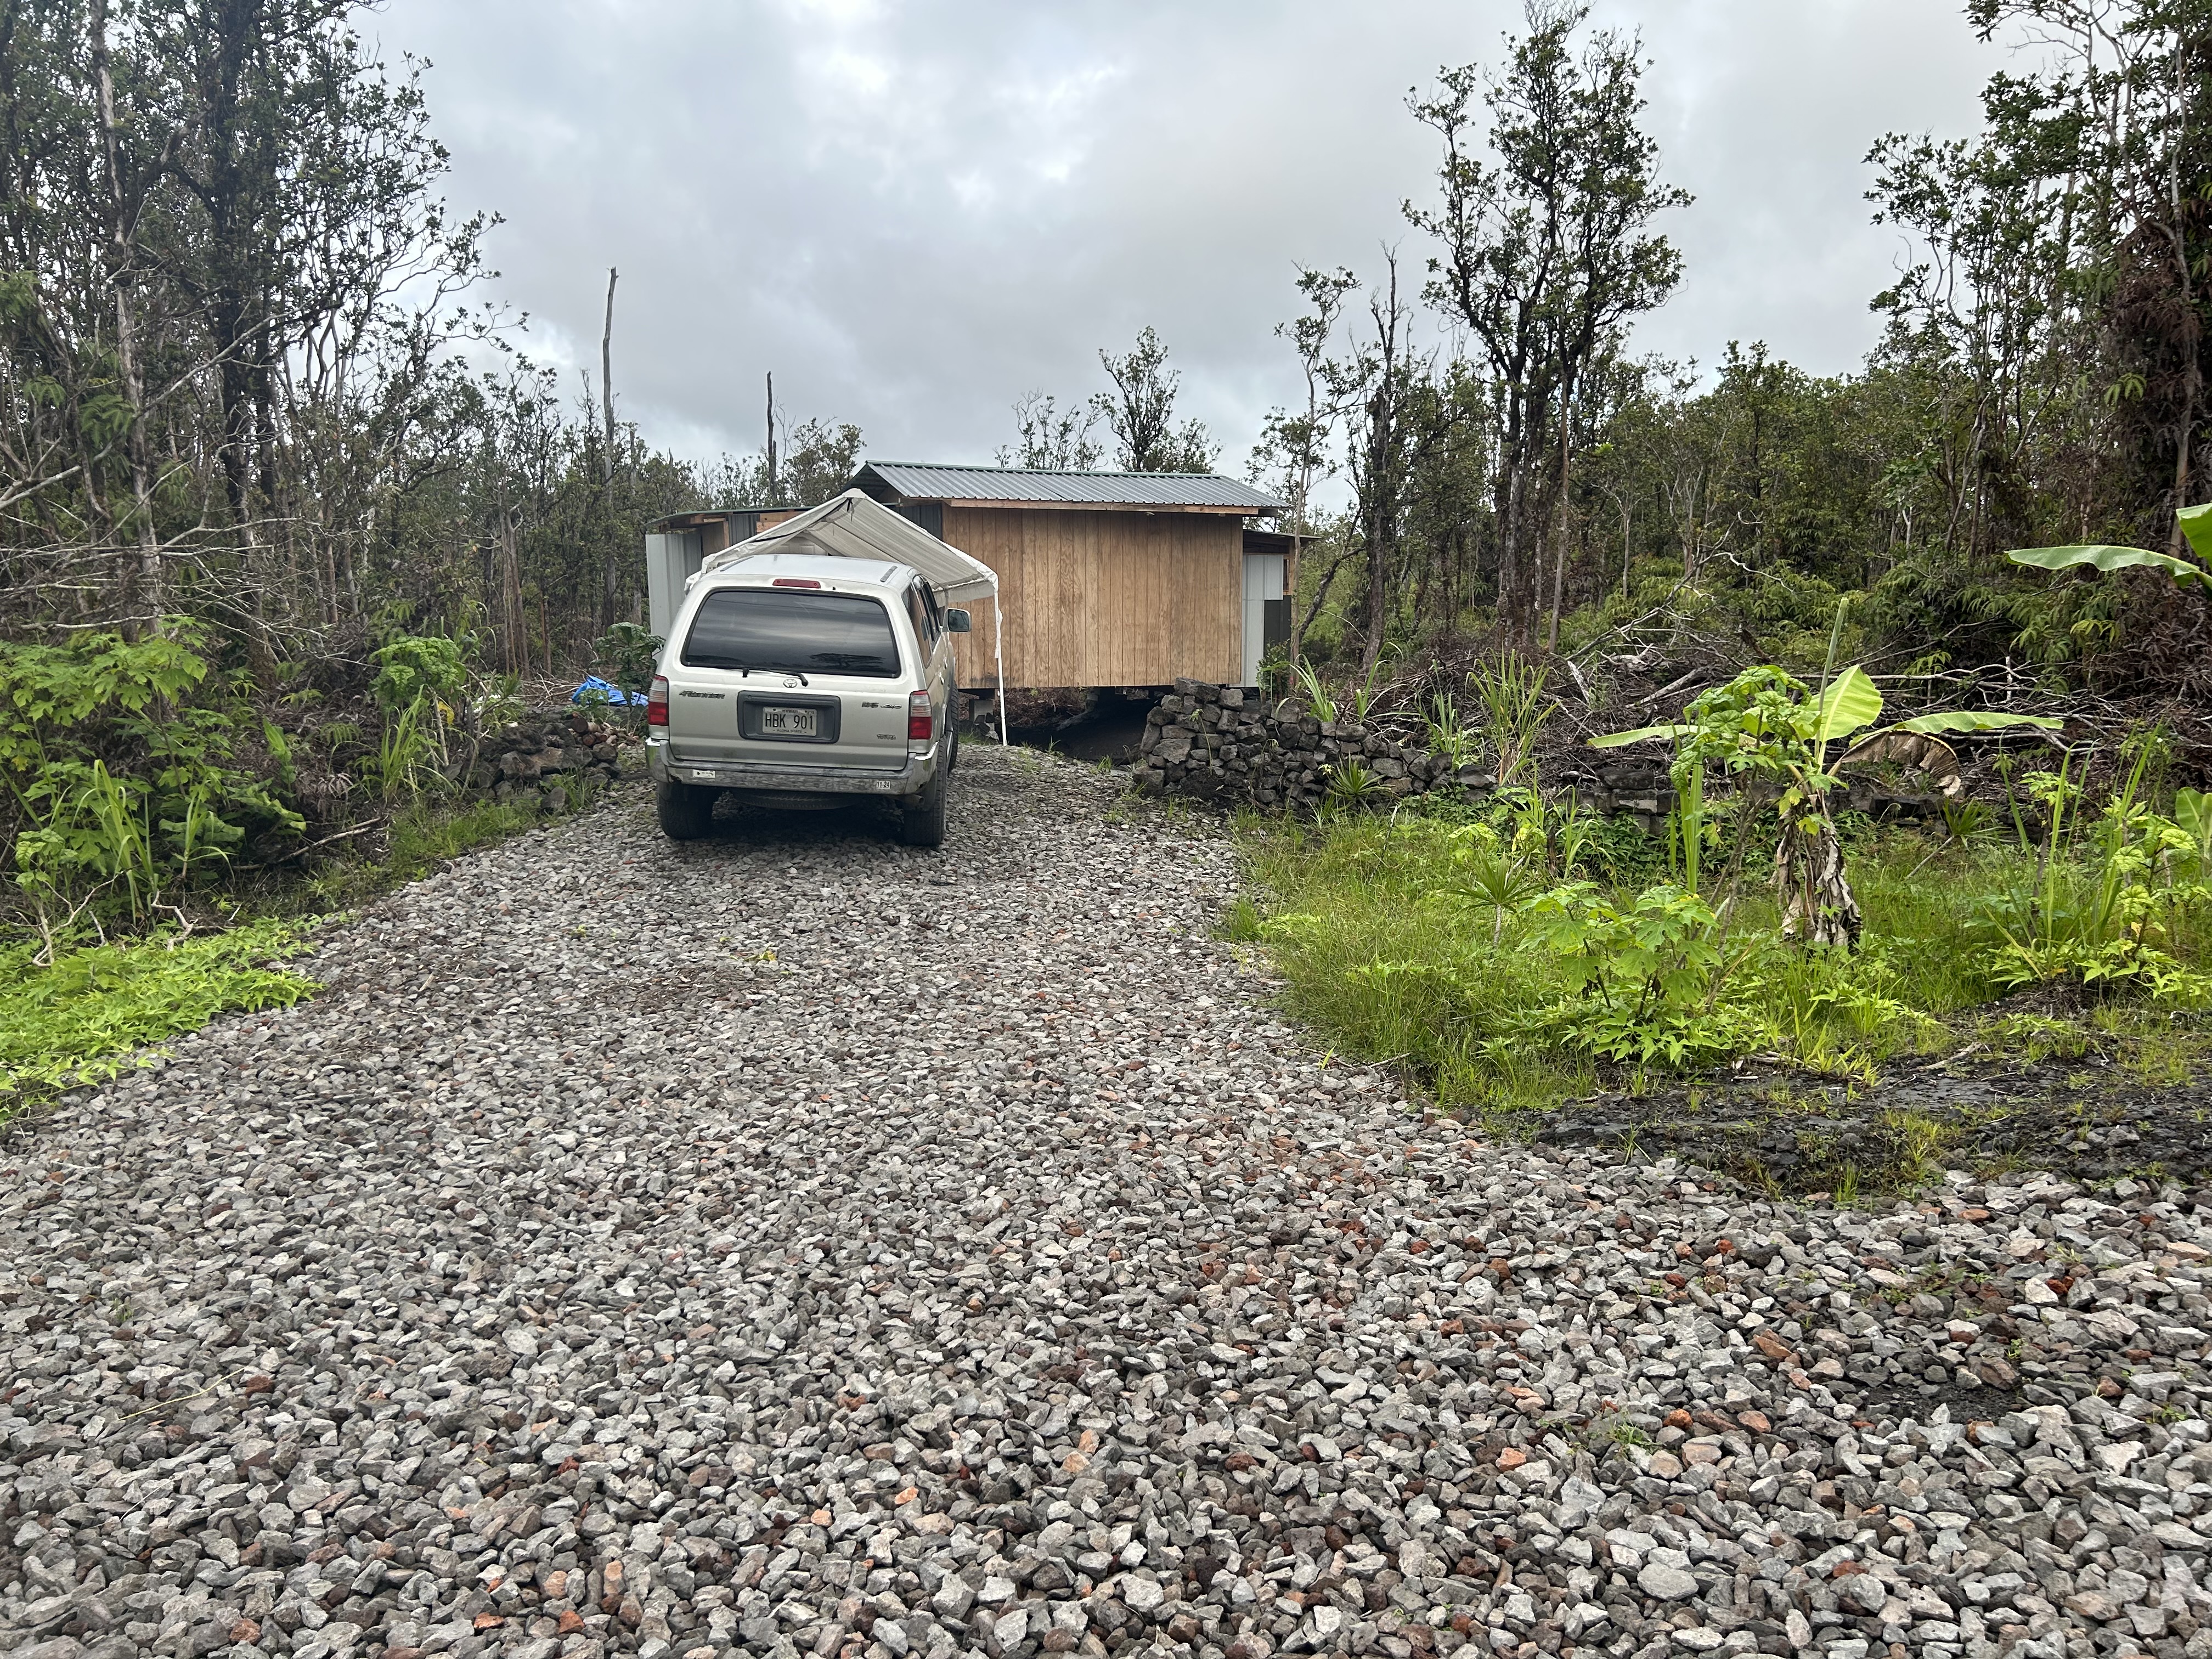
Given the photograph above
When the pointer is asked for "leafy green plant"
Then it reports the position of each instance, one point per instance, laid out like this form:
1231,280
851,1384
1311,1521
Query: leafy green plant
2117,902
2192,817
1363,694
625,656
89,1013
412,669
1490,876
2195,524
1351,784
500,699
1510,688
418,684
1968,821
1446,734
1766,729
124,777
1649,977
1329,709
404,764
1316,692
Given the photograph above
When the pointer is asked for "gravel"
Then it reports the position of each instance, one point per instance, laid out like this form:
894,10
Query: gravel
793,1243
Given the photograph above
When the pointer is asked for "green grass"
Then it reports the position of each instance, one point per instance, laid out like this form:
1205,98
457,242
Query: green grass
423,836
93,1011
1370,923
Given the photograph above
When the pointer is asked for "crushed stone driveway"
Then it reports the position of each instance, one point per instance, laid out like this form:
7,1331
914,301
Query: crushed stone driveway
794,1242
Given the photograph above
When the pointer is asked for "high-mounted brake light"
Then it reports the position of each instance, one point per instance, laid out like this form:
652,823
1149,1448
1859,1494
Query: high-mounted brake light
920,718
656,701
794,581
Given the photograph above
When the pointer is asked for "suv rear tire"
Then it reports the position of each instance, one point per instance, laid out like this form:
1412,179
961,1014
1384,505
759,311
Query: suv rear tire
684,809
922,823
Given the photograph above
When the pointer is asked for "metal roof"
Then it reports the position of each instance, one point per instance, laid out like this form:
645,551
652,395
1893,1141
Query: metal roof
922,481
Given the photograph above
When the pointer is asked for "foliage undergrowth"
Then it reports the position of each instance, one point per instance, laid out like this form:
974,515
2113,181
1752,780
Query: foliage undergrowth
91,1012
149,813
1440,942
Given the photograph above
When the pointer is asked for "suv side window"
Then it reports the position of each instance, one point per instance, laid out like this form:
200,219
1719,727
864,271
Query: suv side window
923,613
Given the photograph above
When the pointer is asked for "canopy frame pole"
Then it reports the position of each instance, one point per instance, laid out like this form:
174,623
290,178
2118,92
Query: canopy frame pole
998,662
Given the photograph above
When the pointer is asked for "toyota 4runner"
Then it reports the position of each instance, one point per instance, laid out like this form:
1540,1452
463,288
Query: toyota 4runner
801,680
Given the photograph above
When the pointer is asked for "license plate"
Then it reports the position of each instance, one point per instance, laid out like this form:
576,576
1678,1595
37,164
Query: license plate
789,722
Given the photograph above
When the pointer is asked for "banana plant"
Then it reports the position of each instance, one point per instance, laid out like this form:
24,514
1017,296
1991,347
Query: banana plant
1765,724
2195,524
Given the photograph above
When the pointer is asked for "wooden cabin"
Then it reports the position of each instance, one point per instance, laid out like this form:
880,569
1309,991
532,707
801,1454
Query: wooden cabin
1105,579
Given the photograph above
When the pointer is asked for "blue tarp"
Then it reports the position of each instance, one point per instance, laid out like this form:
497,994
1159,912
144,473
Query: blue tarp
595,689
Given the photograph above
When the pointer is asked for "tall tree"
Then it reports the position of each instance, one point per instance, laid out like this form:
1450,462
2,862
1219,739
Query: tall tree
1294,448
1140,412
1544,255
1048,437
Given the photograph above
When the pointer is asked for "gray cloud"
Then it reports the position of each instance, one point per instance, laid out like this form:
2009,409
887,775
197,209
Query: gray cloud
914,213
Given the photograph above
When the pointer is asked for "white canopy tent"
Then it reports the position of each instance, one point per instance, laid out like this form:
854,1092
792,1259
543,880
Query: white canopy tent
854,525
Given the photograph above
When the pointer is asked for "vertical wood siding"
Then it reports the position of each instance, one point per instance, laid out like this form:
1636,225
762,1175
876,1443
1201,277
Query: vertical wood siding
1105,598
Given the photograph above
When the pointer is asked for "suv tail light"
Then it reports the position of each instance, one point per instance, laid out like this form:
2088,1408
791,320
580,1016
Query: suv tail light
794,581
921,720
656,701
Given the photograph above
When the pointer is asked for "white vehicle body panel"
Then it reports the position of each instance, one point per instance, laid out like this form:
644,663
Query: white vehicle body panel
744,712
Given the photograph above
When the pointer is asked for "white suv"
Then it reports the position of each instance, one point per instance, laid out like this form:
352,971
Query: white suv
795,679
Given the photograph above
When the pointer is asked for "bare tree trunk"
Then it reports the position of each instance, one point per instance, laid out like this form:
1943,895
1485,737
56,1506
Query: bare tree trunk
1559,563
2193,378
1511,614
607,375
144,583
514,621
609,571
1321,597
774,494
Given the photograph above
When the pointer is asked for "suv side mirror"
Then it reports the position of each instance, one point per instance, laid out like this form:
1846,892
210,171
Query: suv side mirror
957,620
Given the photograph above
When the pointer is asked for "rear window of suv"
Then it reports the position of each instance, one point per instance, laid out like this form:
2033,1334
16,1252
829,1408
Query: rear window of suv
784,631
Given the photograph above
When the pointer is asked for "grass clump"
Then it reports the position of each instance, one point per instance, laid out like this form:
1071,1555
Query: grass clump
423,835
92,1012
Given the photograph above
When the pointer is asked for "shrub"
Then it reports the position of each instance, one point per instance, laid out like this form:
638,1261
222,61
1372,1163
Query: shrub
129,772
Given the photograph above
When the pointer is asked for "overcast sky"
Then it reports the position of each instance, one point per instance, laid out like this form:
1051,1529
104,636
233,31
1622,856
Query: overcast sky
914,213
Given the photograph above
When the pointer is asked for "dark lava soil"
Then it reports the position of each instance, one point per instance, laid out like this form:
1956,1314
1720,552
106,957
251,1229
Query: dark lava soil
2087,1118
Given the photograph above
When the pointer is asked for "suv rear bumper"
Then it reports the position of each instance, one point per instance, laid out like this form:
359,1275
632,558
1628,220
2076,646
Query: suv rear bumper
909,779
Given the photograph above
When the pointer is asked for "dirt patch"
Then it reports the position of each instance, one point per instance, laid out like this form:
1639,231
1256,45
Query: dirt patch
2087,1117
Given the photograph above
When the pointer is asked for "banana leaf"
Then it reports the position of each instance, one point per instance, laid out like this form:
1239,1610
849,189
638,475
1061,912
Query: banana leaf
1621,740
1976,720
2196,524
2123,558
1850,701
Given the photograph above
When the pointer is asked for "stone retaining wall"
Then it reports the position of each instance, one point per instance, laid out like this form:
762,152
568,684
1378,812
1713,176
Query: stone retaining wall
1218,743
542,756
1231,747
